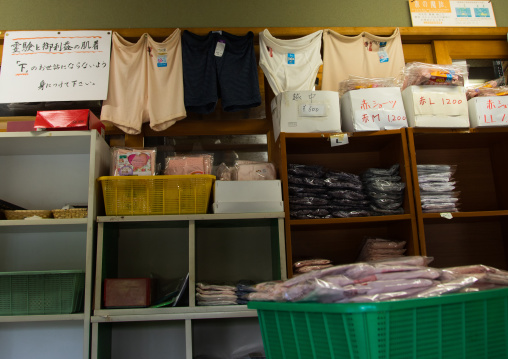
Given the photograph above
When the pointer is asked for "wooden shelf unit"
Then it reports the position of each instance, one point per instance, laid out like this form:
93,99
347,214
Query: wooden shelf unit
478,233
339,239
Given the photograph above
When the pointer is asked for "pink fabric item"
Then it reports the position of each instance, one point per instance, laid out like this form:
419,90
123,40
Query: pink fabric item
189,165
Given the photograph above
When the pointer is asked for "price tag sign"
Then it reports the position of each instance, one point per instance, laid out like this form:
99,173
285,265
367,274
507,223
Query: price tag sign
339,140
313,110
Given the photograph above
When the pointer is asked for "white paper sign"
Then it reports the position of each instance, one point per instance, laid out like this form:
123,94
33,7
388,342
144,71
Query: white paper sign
312,110
489,111
40,66
466,13
435,103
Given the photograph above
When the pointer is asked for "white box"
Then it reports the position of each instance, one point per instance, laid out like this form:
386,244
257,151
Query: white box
372,109
306,111
436,106
248,207
248,196
489,111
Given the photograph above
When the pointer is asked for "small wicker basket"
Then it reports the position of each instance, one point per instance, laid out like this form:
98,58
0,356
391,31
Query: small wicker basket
70,213
22,214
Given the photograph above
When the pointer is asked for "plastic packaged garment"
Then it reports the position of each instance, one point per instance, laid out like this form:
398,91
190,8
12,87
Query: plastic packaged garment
126,161
305,170
311,262
310,268
190,164
358,82
254,171
423,74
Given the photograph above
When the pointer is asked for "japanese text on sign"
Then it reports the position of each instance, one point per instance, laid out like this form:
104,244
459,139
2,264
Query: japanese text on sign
440,104
452,13
306,106
492,111
55,66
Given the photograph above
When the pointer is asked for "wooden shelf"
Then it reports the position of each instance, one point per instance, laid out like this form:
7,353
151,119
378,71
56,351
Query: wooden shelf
178,313
340,221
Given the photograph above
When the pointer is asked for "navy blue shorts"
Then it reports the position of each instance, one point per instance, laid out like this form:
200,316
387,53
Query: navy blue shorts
219,65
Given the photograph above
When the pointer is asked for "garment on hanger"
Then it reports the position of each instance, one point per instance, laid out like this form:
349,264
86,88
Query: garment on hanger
219,65
290,65
145,83
364,55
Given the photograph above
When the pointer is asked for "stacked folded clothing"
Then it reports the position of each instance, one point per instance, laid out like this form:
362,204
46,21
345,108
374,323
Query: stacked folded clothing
385,190
308,265
214,294
437,188
317,192
375,249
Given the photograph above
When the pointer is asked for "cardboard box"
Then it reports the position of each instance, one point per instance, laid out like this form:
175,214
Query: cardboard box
74,120
127,292
248,196
372,109
489,111
436,106
306,111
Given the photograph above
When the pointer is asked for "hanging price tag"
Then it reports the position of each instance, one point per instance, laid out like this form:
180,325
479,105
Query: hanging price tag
338,140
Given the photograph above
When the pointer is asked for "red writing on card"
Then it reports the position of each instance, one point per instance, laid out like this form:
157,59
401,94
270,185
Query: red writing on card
377,118
365,105
490,105
490,119
445,101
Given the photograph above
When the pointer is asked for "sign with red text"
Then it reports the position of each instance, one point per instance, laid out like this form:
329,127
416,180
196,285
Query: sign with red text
373,109
41,66
436,106
488,111
464,13
432,103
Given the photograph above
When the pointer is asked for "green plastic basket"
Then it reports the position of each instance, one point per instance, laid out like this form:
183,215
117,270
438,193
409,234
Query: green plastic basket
49,292
469,325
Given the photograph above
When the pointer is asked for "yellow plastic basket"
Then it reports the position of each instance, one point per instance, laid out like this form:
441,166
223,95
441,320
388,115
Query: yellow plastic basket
156,195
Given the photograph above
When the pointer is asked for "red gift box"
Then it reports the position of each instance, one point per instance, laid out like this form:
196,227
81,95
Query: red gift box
76,120
127,292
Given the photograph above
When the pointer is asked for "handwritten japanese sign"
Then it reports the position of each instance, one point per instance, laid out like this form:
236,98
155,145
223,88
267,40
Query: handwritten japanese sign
435,103
488,111
452,13
373,109
40,66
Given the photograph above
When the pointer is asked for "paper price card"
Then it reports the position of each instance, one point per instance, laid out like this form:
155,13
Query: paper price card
432,103
492,111
40,66
466,13
312,110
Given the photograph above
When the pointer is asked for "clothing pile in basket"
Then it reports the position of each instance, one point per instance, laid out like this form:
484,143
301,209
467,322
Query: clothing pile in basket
316,192
398,278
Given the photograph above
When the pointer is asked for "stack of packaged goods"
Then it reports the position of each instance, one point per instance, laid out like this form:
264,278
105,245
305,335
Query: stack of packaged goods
308,265
375,249
385,190
214,294
316,192
437,188
398,278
